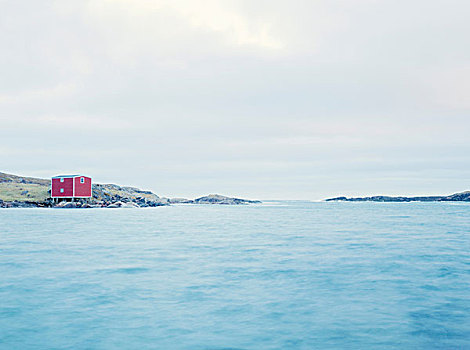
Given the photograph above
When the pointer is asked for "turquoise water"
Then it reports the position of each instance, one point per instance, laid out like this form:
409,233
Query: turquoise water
291,275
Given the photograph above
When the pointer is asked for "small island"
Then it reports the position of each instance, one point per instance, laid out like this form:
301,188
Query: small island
29,192
456,197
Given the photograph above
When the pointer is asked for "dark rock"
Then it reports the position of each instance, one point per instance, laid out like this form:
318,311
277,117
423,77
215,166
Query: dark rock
67,205
336,199
16,204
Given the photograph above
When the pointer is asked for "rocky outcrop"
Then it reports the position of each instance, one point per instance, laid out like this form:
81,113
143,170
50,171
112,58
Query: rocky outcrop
78,204
180,201
457,197
218,199
123,205
17,204
213,199
109,194
68,205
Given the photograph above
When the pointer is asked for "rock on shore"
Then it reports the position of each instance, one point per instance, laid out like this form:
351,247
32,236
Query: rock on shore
114,196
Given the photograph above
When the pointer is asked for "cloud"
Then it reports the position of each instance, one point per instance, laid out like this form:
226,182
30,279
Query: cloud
286,99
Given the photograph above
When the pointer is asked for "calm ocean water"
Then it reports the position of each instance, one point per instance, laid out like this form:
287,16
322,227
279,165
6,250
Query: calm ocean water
287,275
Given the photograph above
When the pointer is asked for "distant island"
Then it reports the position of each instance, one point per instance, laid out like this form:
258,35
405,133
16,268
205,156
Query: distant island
29,192
457,197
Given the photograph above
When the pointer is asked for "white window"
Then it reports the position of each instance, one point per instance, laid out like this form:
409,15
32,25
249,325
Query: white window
61,179
82,180
61,190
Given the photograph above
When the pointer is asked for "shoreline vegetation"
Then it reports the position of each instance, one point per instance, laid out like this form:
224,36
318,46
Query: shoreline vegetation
29,192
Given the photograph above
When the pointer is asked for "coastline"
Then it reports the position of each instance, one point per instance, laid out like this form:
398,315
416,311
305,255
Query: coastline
28,192
456,197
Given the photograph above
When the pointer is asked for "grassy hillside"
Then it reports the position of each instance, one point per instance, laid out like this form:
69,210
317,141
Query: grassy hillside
23,189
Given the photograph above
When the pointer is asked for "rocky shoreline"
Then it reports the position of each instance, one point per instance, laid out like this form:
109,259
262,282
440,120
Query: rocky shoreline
27,192
456,197
120,202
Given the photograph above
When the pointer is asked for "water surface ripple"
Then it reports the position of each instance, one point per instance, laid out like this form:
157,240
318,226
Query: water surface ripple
292,275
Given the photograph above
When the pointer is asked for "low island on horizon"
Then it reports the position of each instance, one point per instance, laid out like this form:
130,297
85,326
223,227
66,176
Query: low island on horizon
456,197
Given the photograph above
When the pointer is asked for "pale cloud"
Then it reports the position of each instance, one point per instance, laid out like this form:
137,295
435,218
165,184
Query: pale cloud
269,99
80,123
237,28
171,30
34,95
450,87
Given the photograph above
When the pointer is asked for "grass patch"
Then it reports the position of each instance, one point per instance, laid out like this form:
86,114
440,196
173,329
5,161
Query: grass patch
11,191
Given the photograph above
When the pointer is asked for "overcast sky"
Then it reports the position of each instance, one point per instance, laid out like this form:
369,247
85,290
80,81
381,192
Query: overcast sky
278,99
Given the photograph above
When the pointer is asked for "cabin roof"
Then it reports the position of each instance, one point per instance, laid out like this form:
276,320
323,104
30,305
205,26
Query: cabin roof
59,176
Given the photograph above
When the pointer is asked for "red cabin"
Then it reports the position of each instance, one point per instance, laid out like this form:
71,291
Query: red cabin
71,187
